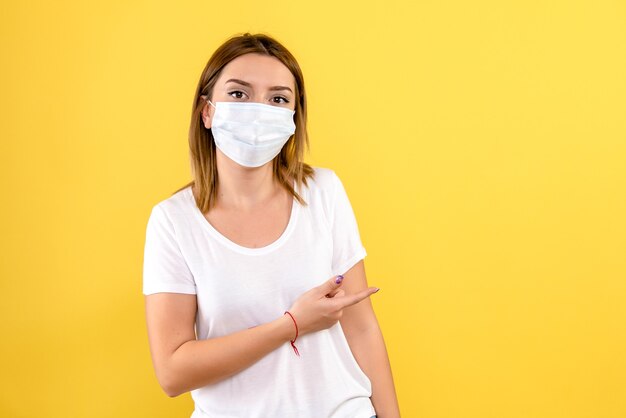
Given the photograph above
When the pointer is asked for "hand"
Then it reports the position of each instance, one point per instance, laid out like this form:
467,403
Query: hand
321,307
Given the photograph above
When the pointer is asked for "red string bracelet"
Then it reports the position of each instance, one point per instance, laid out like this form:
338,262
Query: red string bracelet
293,342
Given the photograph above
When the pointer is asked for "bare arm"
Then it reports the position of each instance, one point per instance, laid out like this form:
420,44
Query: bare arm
183,363
368,346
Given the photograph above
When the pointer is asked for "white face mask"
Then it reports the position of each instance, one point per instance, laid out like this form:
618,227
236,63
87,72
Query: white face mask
251,134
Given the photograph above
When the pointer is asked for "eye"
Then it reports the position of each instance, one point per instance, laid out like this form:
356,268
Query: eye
280,100
237,94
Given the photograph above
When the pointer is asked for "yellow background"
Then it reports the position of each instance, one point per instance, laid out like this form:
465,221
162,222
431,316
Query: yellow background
482,144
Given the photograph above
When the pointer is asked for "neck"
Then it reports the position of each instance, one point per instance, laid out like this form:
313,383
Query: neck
244,187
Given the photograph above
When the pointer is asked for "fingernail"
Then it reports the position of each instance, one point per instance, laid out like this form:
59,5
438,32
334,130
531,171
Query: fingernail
339,279
377,289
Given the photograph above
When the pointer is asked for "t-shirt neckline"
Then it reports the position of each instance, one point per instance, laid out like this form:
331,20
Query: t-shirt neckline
295,208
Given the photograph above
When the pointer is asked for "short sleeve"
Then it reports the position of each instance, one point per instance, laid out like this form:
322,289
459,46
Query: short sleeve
347,246
164,267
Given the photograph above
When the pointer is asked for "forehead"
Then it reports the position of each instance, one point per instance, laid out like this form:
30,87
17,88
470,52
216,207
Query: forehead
258,70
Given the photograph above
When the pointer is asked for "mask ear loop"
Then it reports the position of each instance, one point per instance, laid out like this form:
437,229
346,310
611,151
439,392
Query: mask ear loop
208,101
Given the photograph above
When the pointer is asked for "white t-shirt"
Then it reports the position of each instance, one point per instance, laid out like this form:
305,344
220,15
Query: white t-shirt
239,287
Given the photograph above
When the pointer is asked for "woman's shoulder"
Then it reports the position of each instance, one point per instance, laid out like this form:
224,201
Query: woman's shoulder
323,187
324,178
178,203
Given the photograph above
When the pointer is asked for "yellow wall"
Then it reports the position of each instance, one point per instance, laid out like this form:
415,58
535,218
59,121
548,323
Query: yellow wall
483,146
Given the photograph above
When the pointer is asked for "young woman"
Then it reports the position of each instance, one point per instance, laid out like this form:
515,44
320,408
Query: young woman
256,296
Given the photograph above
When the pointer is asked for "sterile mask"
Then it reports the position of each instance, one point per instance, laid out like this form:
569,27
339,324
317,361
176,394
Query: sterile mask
251,134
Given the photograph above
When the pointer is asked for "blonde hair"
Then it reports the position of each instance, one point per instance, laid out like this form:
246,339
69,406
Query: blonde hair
288,165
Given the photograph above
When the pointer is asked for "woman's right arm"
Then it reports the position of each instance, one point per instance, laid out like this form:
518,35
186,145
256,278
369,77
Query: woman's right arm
183,363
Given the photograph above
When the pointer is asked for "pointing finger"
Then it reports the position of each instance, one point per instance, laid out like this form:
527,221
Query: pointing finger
357,297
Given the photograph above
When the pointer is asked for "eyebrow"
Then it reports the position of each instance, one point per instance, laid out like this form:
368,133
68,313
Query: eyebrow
245,83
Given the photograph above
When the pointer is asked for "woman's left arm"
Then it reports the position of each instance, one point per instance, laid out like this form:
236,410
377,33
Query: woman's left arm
366,342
